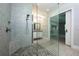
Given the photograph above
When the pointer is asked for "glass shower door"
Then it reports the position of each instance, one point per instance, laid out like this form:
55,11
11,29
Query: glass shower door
54,25
48,33
21,29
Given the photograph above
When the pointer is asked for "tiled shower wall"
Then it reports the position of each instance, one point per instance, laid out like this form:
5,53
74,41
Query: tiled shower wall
21,33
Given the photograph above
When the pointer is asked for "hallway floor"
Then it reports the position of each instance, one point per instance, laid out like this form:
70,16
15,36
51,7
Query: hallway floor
47,48
58,48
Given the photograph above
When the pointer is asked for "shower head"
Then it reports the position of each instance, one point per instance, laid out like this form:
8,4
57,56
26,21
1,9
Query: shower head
27,17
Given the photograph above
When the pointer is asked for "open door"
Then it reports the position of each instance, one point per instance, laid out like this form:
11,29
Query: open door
68,28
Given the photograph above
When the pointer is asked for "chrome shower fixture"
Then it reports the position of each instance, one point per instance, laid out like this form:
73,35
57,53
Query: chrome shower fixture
27,17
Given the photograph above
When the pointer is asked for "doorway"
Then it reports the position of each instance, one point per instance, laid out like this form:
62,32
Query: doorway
65,27
62,23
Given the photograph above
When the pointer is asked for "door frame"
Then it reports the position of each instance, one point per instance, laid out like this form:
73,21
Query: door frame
72,28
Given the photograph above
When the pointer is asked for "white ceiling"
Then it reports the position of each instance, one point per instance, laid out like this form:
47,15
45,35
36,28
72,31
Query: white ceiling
48,7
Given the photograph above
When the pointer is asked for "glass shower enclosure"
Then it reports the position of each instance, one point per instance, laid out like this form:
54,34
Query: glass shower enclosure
48,45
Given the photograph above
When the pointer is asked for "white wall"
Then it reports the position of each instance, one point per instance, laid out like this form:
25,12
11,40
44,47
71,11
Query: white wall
21,35
75,20
76,26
